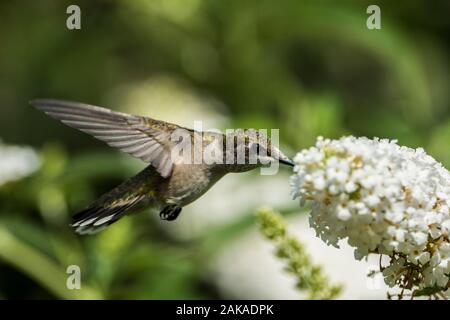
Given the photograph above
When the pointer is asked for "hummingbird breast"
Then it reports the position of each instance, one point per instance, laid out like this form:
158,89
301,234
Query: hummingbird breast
186,184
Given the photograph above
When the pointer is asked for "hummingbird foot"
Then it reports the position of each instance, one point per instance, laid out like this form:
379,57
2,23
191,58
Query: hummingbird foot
170,213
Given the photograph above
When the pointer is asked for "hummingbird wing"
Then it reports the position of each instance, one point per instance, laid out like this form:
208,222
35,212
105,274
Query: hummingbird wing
144,138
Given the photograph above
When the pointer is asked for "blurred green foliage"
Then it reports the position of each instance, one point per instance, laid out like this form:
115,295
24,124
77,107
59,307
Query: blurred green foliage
307,67
310,277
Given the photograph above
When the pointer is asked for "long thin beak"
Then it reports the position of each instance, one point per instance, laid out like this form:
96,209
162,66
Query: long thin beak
287,161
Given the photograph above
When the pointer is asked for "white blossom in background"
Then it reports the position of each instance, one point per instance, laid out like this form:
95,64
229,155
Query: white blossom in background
167,98
17,162
383,198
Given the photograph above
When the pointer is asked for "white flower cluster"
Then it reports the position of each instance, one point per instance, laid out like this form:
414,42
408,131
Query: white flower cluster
16,162
383,198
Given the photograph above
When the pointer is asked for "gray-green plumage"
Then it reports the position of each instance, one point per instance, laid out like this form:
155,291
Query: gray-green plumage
168,183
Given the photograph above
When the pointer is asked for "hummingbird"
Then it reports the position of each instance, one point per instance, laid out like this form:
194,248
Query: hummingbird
169,182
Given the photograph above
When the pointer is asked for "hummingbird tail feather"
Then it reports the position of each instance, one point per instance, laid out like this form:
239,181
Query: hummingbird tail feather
128,197
98,216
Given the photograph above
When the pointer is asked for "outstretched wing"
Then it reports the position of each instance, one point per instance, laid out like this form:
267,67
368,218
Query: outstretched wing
144,138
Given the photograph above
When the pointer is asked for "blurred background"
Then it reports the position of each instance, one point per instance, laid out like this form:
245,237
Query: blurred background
306,67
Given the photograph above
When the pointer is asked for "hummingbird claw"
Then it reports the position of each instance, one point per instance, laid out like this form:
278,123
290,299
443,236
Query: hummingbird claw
170,213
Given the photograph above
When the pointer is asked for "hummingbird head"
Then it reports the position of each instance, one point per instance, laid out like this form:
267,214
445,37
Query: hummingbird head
267,152
256,149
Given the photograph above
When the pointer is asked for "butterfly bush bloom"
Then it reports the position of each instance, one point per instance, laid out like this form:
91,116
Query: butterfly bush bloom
383,198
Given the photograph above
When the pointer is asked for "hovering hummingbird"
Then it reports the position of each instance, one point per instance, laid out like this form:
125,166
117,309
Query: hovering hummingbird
170,182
